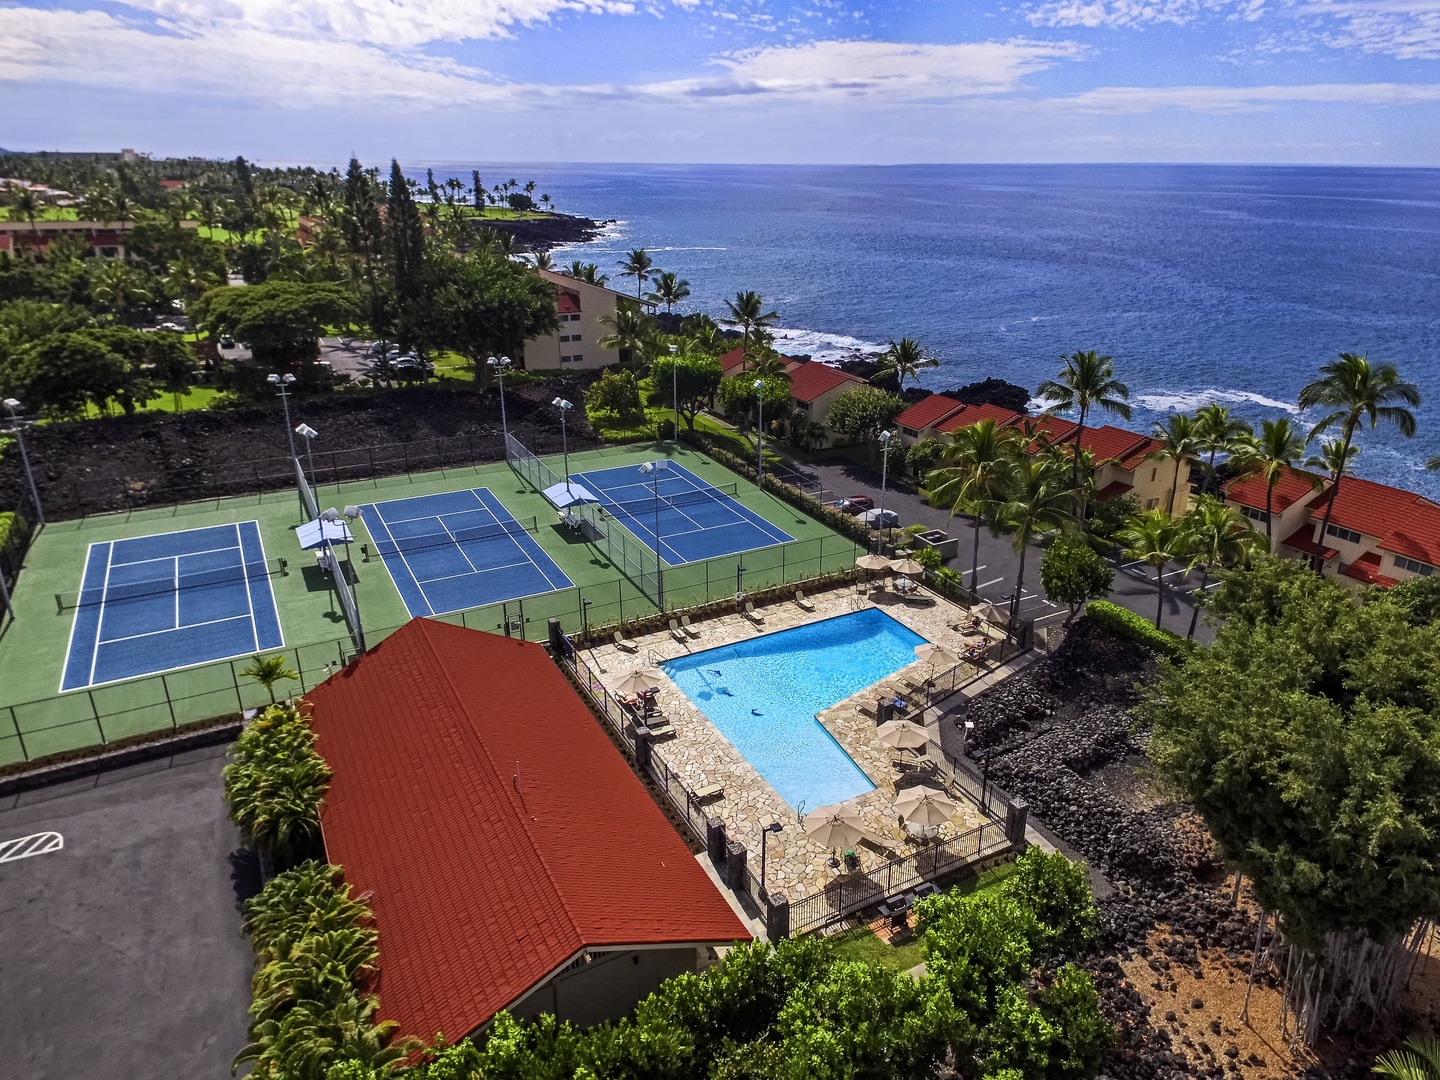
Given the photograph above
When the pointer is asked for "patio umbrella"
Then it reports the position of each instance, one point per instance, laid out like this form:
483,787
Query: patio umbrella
903,734
832,831
937,655
873,562
636,681
925,805
907,566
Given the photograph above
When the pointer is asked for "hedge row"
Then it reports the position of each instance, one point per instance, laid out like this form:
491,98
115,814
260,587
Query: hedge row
842,523
1138,628
274,784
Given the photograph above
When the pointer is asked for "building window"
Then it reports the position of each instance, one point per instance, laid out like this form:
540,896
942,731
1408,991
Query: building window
1415,566
1343,534
1151,504
909,431
1253,514
1154,473
578,358
574,337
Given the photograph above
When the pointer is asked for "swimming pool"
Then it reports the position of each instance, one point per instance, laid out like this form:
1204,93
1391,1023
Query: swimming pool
763,695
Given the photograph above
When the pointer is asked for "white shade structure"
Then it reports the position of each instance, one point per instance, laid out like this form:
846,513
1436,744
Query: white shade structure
638,681
925,805
903,734
873,562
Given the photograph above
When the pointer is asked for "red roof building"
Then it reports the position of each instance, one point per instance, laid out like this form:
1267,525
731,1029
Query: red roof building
973,414
812,380
924,414
732,361
511,857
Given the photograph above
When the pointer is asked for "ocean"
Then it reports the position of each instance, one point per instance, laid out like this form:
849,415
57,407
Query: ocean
1205,283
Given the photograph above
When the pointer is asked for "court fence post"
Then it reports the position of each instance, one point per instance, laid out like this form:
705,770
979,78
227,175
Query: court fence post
15,723
165,685
300,670
235,678
95,710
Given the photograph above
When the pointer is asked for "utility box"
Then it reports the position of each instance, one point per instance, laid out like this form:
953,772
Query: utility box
1015,818
948,546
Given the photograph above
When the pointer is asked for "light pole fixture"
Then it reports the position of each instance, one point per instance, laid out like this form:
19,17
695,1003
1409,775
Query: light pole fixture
501,364
675,388
653,469
885,437
14,408
585,618
564,407
739,576
308,433
282,385
760,430
774,827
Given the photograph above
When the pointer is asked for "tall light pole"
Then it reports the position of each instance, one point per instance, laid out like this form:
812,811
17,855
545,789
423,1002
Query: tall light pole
760,430
308,433
501,364
884,475
282,384
675,389
564,407
14,408
774,827
654,469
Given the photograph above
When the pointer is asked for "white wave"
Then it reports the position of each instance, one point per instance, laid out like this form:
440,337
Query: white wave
818,345
1190,400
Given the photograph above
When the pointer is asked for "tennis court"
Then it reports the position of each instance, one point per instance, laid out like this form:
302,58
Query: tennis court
459,549
171,600
697,520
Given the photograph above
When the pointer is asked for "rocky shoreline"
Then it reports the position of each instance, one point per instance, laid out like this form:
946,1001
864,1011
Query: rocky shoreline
551,231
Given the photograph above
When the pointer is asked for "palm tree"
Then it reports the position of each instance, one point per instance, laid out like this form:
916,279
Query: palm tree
1033,498
269,670
586,272
747,311
1335,459
707,339
904,359
276,804
973,465
541,260
1179,443
1217,432
1085,382
1277,448
1357,390
1214,534
670,289
767,362
116,286
1157,539
185,281
630,329
1419,1060
637,264
24,203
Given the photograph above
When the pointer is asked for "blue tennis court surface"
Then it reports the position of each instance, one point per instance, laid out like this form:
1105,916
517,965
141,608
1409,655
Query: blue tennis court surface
156,603
458,550
697,520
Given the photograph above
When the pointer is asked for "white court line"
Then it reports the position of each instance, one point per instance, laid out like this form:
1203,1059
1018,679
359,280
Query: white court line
176,629
175,585
164,558
249,599
473,568
473,573
514,540
380,516
100,618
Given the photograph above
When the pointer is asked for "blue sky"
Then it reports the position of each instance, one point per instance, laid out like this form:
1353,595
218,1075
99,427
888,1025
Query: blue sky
1311,81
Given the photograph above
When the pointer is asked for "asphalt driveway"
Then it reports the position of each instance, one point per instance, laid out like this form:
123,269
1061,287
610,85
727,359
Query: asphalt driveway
120,953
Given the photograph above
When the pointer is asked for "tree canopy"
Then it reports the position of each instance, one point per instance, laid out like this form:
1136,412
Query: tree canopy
862,412
696,379
281,320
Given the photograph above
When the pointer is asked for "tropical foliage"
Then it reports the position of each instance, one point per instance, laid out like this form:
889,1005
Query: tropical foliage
1073,573
275,782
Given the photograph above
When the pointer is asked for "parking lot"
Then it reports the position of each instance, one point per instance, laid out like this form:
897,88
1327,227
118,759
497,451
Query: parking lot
120,951
1134,583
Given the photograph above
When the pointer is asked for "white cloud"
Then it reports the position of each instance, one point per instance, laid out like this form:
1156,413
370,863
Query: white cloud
1133,13
1406,29
1221,99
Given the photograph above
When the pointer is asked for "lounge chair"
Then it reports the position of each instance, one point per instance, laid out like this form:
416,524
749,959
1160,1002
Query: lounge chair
657,725
706,792
676,632
750,612
685,625
621,643
804,605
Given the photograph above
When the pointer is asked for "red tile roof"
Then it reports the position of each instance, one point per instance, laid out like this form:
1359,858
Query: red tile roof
1114,490
1139,452
1292,486
567,303
1303,539
732,360
1054,428
808,381
1367,569
1112,443
497,829
1402,521
973,414
930,410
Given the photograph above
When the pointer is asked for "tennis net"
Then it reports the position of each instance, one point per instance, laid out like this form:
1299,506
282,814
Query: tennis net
425,541
639,507
116,591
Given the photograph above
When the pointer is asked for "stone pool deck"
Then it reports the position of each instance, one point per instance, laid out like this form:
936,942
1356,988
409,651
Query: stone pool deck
700,755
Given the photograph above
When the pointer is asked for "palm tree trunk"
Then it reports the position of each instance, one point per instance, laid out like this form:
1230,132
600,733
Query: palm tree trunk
1175,488
1195,598
1075,472
1318,562
1209,472
1019,586
1159,593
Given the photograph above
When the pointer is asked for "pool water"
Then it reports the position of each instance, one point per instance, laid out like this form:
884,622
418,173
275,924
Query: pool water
763,695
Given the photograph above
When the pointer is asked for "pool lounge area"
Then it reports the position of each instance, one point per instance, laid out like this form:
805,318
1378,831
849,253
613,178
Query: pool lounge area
747,794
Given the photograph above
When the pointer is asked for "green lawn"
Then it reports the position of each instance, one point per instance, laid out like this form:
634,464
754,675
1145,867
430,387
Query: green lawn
47,213
197,397
33,647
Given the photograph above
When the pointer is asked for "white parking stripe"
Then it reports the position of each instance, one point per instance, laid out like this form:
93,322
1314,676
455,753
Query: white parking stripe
40,843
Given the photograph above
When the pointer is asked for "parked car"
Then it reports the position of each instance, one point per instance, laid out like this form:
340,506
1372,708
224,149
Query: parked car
854,504
880,519
226,341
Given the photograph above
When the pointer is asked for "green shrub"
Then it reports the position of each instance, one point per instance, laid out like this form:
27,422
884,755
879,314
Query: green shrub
1138,628
275,782
13,528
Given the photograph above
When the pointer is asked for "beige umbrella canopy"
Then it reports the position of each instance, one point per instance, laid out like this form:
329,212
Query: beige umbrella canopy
930,653
907,566
925,805
832,830
636,681
873,562
903,734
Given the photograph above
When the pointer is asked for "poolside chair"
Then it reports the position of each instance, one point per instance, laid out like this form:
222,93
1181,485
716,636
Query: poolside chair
676,632
802,603
658,726
706,792
750,612
685,625
621,643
